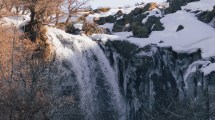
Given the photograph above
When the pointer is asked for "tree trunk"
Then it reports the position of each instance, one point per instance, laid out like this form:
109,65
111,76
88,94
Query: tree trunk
68,19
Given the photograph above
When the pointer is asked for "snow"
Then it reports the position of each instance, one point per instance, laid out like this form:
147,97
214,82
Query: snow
115,36
104,37
107,25
17,21
195,35
208,69
112,11
119,3
78,26
203,5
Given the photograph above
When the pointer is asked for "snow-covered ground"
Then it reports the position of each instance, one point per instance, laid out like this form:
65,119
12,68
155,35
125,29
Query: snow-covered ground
195,34
200,5
112,11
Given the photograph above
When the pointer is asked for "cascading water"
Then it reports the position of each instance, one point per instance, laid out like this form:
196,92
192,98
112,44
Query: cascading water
117,80
85,69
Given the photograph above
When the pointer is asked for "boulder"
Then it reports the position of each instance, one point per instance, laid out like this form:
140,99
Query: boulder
99,21
153,23
137,11
175,5
139,18
110,19
128,17
180,27
72,29
119,14
143,30
118,25
140,31
157,27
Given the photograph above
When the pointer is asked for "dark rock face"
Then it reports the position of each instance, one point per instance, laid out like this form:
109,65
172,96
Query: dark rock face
118,25
153,82
180,27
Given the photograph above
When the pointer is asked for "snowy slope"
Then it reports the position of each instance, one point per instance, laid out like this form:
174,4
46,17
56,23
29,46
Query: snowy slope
200,5
195,35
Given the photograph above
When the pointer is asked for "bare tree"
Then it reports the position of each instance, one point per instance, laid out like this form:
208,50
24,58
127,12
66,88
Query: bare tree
23,81
74,6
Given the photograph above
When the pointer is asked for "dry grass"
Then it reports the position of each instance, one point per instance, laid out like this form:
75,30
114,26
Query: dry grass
90,28
102,9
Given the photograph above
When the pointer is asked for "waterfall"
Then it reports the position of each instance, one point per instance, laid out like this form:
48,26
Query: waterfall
95,79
